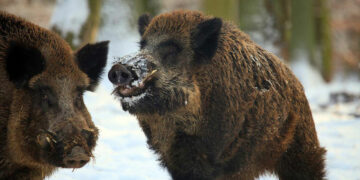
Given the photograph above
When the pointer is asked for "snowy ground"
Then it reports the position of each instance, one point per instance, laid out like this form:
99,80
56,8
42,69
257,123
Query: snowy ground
122,153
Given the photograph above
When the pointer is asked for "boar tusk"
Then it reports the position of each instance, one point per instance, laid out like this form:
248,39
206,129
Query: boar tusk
38,139
48,140
89,129
150,75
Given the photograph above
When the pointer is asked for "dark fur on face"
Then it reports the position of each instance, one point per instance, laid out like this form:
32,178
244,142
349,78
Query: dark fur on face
216,105
44,122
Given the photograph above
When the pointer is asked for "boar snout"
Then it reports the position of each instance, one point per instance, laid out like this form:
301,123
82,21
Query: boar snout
77,158
70,144
120,75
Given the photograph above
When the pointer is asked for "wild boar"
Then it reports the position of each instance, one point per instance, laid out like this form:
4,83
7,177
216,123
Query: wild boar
43,120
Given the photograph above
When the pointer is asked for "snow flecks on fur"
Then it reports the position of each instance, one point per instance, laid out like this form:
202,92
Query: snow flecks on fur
138,64
133,99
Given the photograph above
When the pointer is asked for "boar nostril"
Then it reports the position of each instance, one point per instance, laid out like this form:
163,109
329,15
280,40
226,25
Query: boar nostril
120,75
124,75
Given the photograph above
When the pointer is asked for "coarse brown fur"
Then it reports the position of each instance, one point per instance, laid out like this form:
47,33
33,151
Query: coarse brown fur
42,82
235,114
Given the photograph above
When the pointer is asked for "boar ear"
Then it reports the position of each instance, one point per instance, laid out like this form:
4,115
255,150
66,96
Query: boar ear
143,22
22,63
91,59
205,37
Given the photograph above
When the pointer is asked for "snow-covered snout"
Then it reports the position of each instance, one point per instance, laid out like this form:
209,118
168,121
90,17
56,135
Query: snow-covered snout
131,75
147,83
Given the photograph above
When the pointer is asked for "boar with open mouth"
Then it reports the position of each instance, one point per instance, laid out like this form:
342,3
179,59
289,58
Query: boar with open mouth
135,80
214,105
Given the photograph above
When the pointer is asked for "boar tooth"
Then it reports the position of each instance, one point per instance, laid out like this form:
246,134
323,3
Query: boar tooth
153,72
48,140
38,138
150,75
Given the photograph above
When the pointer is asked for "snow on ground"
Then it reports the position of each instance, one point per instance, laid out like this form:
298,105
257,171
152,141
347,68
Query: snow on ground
122,153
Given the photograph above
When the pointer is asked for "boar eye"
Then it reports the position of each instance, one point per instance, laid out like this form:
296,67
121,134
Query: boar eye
46,100
168,50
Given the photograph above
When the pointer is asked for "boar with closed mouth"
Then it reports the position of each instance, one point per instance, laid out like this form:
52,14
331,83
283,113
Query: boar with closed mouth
214,105
44,123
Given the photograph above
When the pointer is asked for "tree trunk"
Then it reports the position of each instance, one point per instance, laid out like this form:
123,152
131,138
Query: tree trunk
226,9
147,6
323,33
90,29
280,10
303,31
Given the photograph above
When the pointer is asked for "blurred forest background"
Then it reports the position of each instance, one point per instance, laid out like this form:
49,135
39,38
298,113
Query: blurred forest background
326,32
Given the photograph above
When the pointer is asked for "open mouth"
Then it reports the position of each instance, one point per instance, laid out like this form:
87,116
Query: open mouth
136,87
